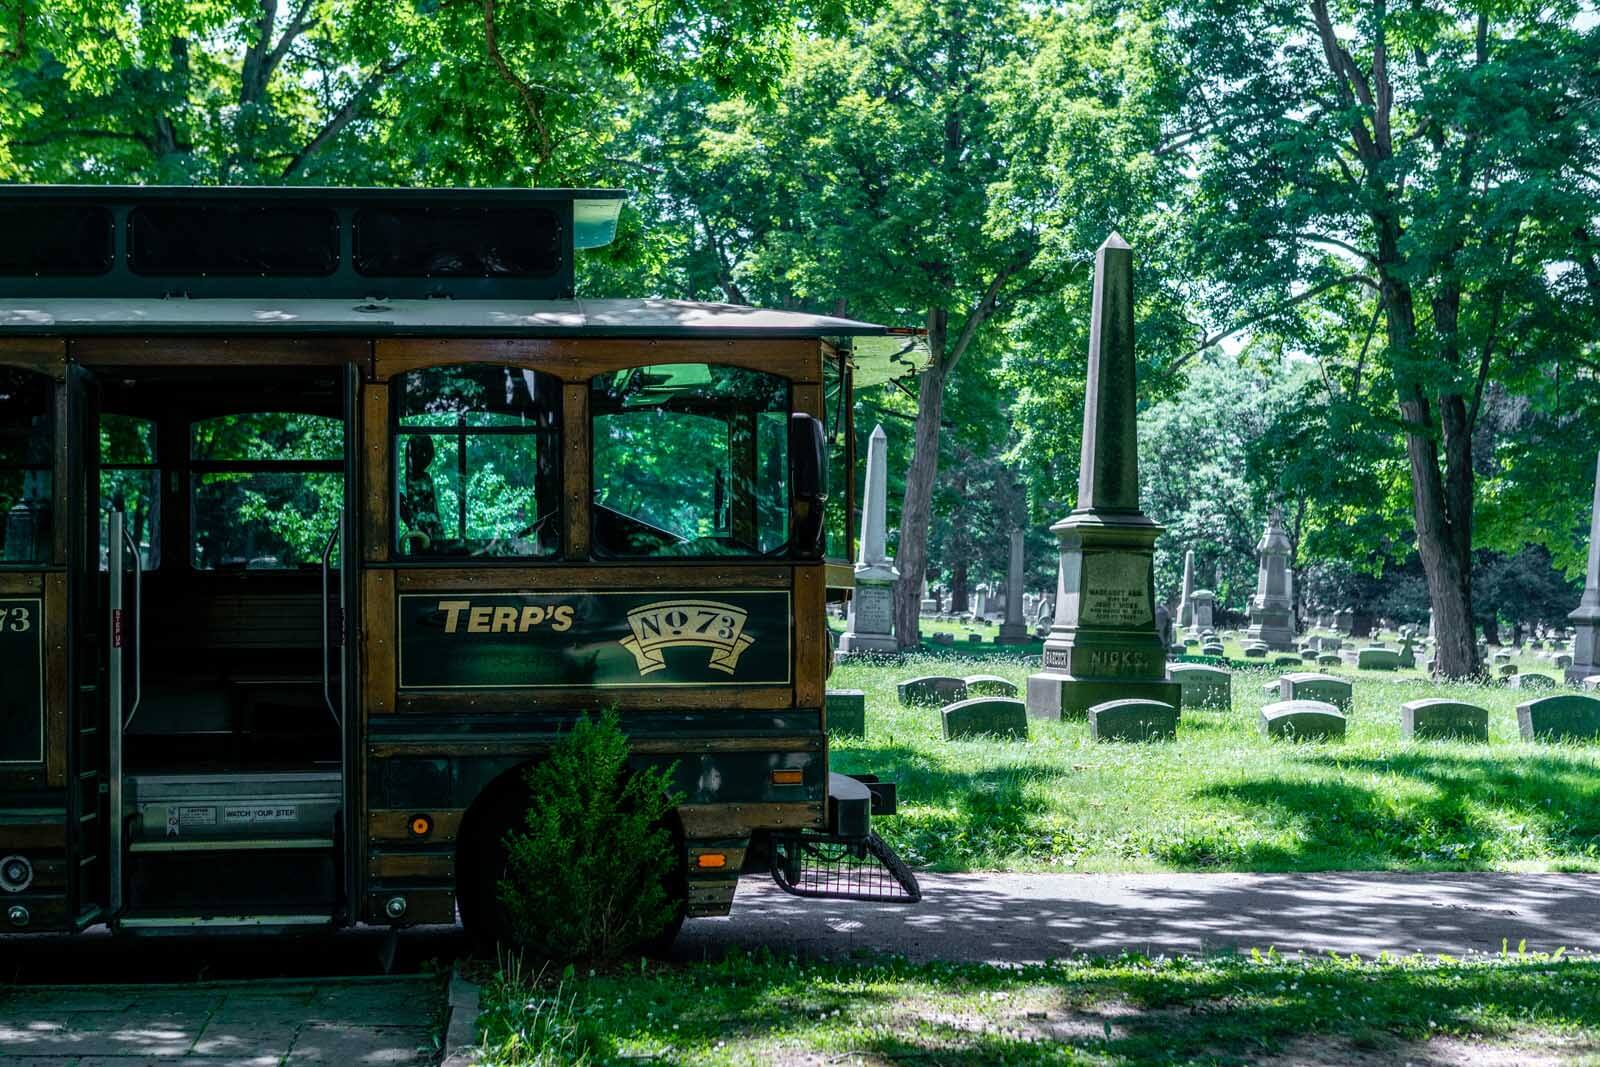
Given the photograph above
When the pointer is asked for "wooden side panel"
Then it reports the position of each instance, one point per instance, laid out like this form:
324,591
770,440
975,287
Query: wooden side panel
592,699
55,679
395,825
219,351
576,470
807,399
652,575
377,640
810,636
376,490
13,583
577,359
47,355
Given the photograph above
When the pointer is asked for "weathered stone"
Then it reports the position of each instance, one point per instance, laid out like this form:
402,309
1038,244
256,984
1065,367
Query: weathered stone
1000,717
1561,660
1323,687
1270,690
944,638
1302,720
1437,718
1286,661
1191,642
1309,655
1272,608
1530,681
932,689
1202,686
1014,631
1503,656
1329,659
1586,617
847,712
1256,651
1378,659
1104,636
1133,720
974,639
1506,670
1213,649
1556,718
870,626
990,685
1186,599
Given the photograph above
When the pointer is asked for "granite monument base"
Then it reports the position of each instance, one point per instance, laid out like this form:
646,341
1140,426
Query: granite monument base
1052,695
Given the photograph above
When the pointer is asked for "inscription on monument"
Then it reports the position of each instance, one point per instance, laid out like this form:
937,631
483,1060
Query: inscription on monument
874,607
1116,590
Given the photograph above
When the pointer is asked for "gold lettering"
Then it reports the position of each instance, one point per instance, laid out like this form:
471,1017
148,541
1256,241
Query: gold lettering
531,616
453,610
478,621
563,619
505,620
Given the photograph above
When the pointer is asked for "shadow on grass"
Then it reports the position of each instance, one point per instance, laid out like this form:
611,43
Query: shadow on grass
1123,1010
1477,811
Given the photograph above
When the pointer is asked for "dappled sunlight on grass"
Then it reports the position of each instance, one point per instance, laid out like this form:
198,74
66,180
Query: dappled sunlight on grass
1222,797
1131,1009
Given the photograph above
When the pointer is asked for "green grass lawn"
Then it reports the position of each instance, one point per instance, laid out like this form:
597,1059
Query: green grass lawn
1222,797
1131,1010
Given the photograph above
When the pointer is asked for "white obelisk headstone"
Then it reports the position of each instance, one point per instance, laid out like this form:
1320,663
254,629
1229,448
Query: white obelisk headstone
871,618
1586,619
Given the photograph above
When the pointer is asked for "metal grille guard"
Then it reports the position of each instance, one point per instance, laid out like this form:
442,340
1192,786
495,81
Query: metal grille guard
842,868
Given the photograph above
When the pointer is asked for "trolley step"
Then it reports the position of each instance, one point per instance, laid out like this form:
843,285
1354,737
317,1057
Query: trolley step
232,844
247,807
179,923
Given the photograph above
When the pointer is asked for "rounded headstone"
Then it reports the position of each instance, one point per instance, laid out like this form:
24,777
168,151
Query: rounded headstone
1506,670
1302,720
1377,659
989,685
1000,717
932,689
1133,719
1323,687
1329,659
1256,651
1555,718
1438,718
1526,682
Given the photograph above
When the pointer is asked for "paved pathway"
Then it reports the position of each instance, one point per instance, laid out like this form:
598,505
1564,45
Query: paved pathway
1022,918
363,1022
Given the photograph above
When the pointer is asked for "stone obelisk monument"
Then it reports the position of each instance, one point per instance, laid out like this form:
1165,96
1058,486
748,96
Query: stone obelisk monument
1103,644
1586,619
1272,608
1013,631
1186,599
870,626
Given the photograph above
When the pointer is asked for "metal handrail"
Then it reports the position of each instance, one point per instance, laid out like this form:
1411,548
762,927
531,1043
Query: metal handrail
116,542
138,622
327,561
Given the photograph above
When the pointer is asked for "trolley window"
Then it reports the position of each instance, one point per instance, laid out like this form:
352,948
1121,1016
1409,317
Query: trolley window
691,461
130,482
27,432
267,488
478,463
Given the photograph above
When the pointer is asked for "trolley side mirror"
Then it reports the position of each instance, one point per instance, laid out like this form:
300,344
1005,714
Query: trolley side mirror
808,477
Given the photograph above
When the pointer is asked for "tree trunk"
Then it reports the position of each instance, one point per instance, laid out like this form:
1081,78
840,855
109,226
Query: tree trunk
917,506
1444,537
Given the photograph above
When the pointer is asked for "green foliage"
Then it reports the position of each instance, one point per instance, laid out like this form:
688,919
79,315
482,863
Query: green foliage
590,876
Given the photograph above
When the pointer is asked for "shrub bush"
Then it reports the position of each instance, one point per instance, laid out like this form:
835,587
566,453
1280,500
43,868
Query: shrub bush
593,873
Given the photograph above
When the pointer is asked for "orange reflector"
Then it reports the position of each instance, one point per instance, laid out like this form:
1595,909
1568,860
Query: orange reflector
786,777
421,826
710,861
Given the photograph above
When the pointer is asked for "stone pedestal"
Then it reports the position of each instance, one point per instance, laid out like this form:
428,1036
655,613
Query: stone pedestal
870,625
1204,604
1272,608
1014,631
1103,643
1586,618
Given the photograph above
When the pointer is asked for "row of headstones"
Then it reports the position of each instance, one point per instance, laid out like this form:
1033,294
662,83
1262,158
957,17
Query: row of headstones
1324,652
1309,707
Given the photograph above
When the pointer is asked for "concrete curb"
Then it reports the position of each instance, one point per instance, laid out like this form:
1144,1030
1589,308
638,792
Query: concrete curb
461,1034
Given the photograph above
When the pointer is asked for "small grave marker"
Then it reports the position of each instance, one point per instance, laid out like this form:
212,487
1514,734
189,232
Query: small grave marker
989,685
1437,718
1133,719
1302,720
1378,659
1000,717
847,712
1202,686
1557,718
1323,687
932,689
1530,681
